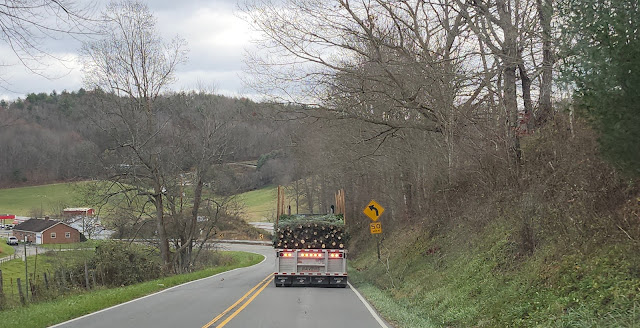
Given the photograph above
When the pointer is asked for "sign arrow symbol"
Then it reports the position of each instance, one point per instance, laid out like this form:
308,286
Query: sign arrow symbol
373,208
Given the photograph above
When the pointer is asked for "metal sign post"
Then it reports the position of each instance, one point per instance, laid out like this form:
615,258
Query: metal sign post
374,210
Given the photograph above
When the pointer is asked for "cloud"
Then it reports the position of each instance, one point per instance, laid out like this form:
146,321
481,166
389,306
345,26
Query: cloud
59,73
216,37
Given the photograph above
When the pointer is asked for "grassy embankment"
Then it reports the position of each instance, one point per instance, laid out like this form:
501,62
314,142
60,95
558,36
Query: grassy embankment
73,306
482,283
5,250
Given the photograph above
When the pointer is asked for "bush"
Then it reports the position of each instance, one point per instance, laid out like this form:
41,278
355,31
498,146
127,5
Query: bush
120,264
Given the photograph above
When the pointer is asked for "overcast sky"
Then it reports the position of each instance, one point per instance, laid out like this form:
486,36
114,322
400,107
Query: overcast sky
216,39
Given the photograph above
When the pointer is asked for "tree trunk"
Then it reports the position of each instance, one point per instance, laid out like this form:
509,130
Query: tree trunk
162,232
545,111
197,199
309,194
509,62
526,126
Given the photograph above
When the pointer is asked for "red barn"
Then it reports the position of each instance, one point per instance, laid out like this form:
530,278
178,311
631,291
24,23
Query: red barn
46,231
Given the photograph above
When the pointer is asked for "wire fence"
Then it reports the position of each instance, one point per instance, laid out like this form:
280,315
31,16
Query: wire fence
35,286
9,258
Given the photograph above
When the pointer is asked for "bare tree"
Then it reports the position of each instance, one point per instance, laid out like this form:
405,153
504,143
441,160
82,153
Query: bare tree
200,127
25,24
455,80
399,65
132,65
518,35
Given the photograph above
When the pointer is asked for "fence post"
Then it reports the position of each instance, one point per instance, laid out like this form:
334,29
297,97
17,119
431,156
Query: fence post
1,288
86,275
2,297
22,300
46,280
63,275
32,286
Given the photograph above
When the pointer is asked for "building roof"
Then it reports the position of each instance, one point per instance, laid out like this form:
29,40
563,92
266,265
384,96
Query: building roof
36,225
77,209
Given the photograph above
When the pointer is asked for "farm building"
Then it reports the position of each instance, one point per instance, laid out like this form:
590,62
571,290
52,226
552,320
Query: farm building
46,231
78,211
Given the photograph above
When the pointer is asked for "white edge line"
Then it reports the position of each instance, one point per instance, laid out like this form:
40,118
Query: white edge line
368,306
156,293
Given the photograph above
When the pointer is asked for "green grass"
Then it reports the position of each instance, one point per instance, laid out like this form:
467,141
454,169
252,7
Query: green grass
5,250
53,312
259,205
48,198
14,269
92,243
487,283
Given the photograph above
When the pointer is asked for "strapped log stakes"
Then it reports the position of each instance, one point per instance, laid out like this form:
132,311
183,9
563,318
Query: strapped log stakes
310,231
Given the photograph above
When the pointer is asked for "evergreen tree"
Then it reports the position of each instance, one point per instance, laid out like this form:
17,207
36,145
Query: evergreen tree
601,40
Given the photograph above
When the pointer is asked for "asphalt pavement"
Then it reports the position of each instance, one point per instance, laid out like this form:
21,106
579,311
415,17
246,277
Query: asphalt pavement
267,226
245,297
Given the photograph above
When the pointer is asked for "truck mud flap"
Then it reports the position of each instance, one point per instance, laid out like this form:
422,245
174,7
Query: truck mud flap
301,281
319,281
282,281
340,281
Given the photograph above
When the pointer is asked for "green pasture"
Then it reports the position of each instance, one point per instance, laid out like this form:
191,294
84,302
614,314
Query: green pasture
258,205
46,199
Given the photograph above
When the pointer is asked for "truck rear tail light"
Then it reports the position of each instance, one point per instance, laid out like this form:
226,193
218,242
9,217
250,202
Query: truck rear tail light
335,255
286,254
313,255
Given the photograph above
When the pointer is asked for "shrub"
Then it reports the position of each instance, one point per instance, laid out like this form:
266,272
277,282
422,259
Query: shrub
122,264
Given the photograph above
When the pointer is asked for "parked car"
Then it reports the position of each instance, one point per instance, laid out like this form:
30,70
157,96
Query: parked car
12,241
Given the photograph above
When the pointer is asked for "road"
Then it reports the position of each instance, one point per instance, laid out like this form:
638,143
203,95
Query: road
267,226
258,303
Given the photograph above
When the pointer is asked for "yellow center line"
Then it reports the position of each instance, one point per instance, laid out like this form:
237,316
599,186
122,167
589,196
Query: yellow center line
244,305
238,301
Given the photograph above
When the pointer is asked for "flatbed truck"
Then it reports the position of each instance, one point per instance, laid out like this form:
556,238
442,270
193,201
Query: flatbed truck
321,260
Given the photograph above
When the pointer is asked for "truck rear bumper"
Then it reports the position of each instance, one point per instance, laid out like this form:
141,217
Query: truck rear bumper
308,280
